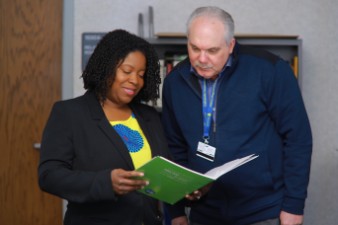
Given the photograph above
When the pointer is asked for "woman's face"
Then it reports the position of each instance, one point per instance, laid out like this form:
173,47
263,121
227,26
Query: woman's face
129,79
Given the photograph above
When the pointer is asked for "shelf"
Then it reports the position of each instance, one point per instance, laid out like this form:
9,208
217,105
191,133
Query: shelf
286,46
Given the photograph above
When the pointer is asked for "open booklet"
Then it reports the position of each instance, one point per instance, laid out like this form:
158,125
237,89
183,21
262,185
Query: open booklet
169,182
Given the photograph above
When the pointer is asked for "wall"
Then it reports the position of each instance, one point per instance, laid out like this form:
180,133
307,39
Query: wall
314,21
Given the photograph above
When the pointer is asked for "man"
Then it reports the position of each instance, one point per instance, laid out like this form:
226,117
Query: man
226,101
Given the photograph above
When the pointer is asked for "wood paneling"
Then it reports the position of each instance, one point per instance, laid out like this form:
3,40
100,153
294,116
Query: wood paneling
30,81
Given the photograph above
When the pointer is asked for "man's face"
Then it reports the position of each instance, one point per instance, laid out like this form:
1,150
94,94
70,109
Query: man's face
207,47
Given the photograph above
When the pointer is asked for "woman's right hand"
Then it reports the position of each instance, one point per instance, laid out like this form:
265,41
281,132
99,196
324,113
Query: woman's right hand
124,181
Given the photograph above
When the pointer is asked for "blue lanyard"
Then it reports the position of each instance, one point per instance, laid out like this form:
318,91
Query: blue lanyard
208,105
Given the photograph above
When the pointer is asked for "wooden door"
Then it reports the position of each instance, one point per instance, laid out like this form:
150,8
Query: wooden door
30,81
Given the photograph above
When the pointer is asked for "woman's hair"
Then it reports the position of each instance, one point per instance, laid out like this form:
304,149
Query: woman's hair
218,13
109,53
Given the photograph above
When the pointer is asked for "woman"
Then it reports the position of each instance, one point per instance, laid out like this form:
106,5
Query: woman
92,144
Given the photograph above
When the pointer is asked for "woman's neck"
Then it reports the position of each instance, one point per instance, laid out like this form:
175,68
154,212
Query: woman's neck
115,112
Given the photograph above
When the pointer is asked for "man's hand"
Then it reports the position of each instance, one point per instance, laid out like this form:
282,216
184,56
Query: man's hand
182,220
290,219
196,195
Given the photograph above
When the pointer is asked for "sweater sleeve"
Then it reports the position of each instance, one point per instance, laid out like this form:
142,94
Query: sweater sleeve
288,112
176,143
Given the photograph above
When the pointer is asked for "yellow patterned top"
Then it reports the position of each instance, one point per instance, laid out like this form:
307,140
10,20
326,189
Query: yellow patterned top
133,137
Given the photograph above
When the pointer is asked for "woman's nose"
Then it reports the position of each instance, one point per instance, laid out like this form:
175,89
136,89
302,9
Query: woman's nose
133,78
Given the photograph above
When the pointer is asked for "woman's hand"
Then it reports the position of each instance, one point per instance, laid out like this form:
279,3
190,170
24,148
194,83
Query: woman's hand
124,181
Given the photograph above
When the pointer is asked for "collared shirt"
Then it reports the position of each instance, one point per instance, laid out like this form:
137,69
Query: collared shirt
211,82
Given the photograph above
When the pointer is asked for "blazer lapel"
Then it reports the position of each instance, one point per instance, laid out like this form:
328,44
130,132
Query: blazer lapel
145,122
104,125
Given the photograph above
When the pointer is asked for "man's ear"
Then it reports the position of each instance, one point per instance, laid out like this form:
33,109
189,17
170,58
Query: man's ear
232,45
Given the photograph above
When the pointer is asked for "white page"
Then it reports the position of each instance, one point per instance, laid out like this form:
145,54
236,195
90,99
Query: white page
220,170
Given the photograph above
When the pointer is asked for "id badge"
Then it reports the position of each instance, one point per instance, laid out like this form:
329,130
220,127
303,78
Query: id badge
206,151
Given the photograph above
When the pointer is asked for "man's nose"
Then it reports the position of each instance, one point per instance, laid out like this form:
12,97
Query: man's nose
203,57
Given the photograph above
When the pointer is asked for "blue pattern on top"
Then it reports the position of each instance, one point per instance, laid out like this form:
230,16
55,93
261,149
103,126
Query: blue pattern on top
132,139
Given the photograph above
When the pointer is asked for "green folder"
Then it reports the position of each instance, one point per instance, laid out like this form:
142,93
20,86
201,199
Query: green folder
170,182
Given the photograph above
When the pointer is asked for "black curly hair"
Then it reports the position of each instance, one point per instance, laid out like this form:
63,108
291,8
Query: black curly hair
109,53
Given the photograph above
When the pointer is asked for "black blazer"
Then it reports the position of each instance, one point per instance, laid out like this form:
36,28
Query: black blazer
78,151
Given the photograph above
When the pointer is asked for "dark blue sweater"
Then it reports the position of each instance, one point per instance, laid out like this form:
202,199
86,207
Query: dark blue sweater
259,110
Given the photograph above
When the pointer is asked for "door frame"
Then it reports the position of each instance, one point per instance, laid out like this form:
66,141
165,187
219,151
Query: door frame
67,73
67,50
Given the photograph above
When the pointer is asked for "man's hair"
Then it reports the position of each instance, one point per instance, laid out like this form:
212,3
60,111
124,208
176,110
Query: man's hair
108,55
218,13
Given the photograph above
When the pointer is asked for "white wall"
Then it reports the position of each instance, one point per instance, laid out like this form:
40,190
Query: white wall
314,21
